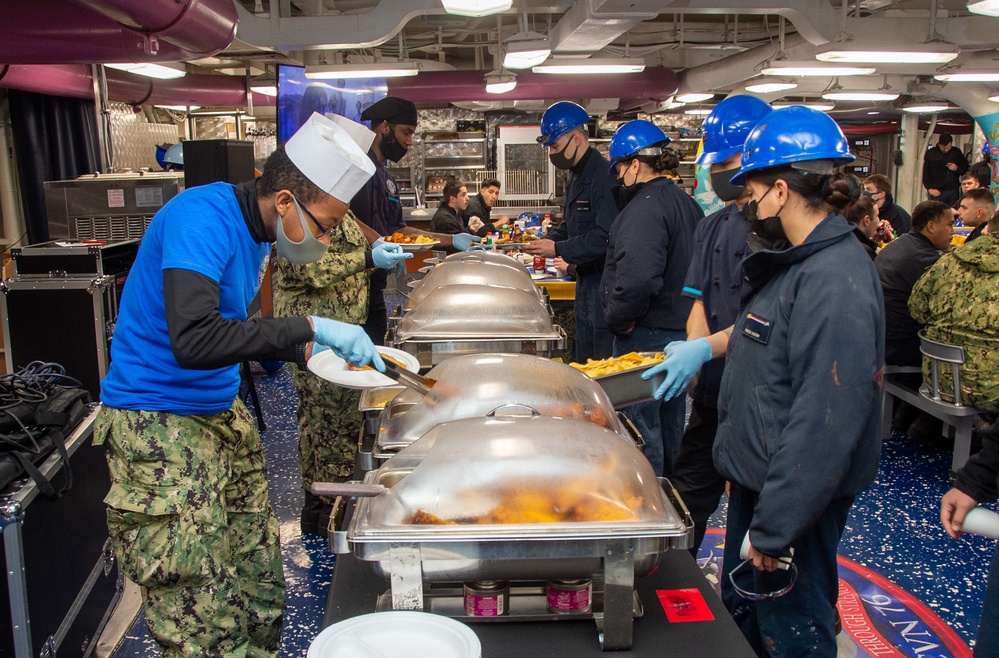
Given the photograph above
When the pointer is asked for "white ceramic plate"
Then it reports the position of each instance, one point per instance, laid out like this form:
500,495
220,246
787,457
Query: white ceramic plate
421,246
334,369
397,634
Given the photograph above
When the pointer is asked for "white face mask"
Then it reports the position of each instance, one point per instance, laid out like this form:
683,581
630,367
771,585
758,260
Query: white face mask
309,250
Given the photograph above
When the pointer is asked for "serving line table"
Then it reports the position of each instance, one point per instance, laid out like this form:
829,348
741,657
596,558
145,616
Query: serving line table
356,587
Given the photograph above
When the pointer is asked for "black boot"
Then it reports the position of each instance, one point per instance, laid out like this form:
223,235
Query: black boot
311,510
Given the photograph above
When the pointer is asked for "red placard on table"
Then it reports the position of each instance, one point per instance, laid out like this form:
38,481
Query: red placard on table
684,605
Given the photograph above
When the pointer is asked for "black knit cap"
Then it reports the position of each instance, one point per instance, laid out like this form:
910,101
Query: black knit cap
392,109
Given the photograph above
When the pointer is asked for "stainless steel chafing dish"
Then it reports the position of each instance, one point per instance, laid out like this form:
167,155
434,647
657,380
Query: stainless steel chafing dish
474,473
471,319
471,272
480,385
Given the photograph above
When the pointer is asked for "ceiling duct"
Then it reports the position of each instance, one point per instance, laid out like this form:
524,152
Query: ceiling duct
75,81
114,31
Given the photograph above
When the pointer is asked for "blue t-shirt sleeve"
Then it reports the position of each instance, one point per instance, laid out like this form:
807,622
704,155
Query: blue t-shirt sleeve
191,242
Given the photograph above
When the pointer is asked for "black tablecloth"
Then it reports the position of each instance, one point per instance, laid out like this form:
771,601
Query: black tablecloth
355,588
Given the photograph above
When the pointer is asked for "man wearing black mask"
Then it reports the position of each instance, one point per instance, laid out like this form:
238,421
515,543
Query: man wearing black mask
581,239
377,205
714,283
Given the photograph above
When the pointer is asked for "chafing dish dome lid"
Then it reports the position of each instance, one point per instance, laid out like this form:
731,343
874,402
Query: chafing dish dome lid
477,385
495,257
546,475
477,311
476,272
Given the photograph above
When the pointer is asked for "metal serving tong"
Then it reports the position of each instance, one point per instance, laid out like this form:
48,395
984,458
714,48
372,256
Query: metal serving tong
408,378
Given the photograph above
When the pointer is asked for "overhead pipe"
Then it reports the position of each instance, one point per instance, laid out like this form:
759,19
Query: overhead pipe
76,81
462,86
66,32
203,27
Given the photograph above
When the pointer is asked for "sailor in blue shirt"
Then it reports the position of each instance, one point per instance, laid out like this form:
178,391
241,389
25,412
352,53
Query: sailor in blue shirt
188,513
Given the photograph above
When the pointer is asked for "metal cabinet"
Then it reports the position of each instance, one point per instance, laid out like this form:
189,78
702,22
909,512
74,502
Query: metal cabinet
452,155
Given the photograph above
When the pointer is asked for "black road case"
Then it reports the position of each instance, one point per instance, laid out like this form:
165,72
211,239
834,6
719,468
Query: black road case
62,304
62,580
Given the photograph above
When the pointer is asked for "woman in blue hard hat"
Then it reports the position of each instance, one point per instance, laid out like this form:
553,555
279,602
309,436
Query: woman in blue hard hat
650,245
799,406
714,284
581,238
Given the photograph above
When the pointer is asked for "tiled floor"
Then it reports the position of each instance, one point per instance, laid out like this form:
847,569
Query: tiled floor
893,532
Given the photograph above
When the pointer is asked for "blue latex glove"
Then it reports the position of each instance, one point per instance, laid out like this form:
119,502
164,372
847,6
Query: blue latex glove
463,241
387,256
348,341
319,347
683,359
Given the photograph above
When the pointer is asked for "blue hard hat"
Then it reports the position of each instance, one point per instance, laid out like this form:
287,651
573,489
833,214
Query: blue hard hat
793,136
728,126
634,137
174,155
985,149
559,119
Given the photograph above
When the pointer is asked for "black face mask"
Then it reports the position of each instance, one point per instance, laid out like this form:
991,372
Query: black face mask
560,160
769,229
624,193
391,148
724,189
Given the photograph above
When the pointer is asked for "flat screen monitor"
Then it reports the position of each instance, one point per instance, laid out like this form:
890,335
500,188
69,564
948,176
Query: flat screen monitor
298,97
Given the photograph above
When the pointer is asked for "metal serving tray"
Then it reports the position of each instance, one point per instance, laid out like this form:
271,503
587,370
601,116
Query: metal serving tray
627,387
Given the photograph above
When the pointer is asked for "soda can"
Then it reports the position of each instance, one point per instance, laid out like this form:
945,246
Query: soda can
539,263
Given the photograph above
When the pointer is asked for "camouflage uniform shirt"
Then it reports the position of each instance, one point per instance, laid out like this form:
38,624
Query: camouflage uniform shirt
334,287
958,301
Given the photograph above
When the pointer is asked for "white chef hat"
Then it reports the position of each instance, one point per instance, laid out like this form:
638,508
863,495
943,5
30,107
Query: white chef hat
330,157
358,132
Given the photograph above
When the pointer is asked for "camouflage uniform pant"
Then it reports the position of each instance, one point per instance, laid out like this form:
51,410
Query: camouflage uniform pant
190,523
328,428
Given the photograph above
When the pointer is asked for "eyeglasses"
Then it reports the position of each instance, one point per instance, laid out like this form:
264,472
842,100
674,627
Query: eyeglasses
763,596
323,231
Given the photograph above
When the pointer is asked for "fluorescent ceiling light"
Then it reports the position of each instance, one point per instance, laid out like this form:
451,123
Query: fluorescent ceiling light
855,53
164,71
813,105
265,84
984,7
475,8
374,70
694,97
590,66
526,49
698,110
770,87
860,95
792,69
265,89
924,107
994,98
968,76
500,82
180,108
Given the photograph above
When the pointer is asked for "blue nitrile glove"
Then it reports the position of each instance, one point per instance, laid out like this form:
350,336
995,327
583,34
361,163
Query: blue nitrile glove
463,241
348,341
387,256
318,348
683,359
